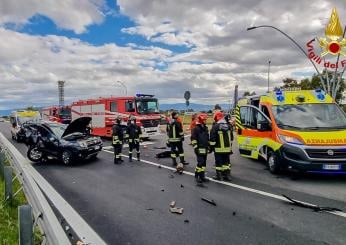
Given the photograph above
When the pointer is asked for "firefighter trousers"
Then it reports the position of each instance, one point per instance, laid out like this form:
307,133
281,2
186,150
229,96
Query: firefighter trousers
222,163
201,165
177,150
117,152
134,145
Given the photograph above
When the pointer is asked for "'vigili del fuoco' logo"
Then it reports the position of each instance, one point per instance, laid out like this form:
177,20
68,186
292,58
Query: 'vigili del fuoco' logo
333,43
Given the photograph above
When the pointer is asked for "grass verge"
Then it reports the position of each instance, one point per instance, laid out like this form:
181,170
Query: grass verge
9,216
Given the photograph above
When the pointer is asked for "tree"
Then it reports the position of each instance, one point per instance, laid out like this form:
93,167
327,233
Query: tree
290,83
247,93
31,108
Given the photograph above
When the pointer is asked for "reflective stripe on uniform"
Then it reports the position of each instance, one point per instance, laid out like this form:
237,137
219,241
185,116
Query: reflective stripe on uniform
212,143
226,167
194,142
173,155
202,150
181,154
199,169
219,168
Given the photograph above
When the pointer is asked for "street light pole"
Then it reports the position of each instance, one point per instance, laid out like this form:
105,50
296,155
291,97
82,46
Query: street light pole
290,38
124,86
268,74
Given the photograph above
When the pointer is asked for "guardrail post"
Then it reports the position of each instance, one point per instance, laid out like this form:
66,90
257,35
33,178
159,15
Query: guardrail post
25,225
2,163
8,183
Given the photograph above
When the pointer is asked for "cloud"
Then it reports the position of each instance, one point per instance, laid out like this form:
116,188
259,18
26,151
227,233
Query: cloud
66,14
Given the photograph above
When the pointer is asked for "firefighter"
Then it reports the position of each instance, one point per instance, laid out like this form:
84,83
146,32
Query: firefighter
221,144
175,138
200,142
134,135
117,140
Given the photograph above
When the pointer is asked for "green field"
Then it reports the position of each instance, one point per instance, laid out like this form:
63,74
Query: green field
9,216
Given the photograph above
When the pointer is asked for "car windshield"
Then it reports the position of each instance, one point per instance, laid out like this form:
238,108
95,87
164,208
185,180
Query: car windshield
309,116
65,112
58,129
147,106
33,119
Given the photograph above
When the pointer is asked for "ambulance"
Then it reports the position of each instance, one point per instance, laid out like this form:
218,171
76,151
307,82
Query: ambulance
298,130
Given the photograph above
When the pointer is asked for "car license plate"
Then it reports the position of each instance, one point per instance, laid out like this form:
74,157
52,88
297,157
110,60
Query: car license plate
331,167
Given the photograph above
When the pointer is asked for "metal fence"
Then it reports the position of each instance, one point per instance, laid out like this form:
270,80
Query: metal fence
38,191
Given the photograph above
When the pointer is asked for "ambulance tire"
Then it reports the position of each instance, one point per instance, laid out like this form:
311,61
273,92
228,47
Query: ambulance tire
273,162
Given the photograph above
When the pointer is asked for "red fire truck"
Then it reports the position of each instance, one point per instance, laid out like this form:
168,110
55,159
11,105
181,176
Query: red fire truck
104,111
57,114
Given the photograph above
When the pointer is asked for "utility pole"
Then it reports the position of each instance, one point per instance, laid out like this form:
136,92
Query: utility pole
61,85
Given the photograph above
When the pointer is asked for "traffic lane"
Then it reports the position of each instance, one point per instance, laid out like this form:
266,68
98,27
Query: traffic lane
253,173
116,200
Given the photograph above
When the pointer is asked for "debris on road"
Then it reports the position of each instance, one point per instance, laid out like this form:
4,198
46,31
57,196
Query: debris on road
171,176
150,209
186,221
211,201
234,213
316,208
181,186
180,168
159,166
172,204
160,147
176,210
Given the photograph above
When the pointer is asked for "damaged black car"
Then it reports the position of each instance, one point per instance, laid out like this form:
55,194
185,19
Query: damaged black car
67,143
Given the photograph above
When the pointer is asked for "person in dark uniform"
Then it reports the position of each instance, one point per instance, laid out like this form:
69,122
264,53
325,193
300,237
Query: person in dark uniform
221,143
200,142
117,140
134,136
175,139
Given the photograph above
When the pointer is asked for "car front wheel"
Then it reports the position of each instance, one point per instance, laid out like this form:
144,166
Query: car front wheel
273,163
34,154
67,157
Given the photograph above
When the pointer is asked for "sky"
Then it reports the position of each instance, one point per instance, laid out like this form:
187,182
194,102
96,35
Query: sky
162,47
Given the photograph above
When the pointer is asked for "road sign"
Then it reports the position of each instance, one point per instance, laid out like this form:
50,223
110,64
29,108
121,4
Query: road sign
187,95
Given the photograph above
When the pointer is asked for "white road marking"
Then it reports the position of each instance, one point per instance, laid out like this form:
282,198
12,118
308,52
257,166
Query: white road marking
127,146
263,193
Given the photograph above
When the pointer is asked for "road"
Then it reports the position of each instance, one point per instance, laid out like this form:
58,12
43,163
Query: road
129,203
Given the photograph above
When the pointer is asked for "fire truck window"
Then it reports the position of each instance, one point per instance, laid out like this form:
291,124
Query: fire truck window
113,106
129,106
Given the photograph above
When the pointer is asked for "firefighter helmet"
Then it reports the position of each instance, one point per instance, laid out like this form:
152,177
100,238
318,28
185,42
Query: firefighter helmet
202,118
218,116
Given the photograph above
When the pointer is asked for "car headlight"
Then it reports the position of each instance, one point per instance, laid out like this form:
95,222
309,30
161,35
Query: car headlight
83,144
290,139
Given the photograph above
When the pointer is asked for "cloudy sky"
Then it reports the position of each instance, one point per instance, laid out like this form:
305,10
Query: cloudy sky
163,47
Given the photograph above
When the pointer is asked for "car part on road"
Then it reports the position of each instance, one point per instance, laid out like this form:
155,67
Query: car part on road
210,201
164,154
176,210
172,204
311,206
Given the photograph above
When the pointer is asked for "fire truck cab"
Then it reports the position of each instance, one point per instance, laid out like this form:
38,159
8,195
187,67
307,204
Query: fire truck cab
143,107
302,130
57,114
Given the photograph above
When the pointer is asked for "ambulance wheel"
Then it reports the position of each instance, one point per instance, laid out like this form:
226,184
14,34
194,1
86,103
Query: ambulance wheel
273,162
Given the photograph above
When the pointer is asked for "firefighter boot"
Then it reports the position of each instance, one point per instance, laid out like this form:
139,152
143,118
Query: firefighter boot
203,178
182,160
174,162
226,175
218,175
198,178
138,156
130,157
115,160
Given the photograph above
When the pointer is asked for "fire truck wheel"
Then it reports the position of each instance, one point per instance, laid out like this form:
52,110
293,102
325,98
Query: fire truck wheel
67,157
273,163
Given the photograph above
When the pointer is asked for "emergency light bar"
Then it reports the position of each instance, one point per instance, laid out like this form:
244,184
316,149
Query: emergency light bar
319,93
279,96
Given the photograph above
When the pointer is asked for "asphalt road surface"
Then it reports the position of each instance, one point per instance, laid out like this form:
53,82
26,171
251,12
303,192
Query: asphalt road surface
129,203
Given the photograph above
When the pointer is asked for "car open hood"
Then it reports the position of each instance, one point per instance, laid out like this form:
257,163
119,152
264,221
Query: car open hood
78,125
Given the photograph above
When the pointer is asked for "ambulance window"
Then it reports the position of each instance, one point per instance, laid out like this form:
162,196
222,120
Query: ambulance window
129,106
248,117
243,114
265,111
113,106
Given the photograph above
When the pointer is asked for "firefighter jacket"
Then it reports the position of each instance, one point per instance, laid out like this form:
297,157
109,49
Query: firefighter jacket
117,134
200,139
175,131
133,133
220,137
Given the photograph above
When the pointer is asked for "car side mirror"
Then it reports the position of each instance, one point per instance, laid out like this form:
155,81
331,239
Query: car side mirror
264,126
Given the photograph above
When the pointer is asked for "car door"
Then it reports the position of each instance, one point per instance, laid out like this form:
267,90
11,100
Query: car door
253,130
50,141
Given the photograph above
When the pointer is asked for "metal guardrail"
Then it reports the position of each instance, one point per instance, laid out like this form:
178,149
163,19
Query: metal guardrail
37,189
46,219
